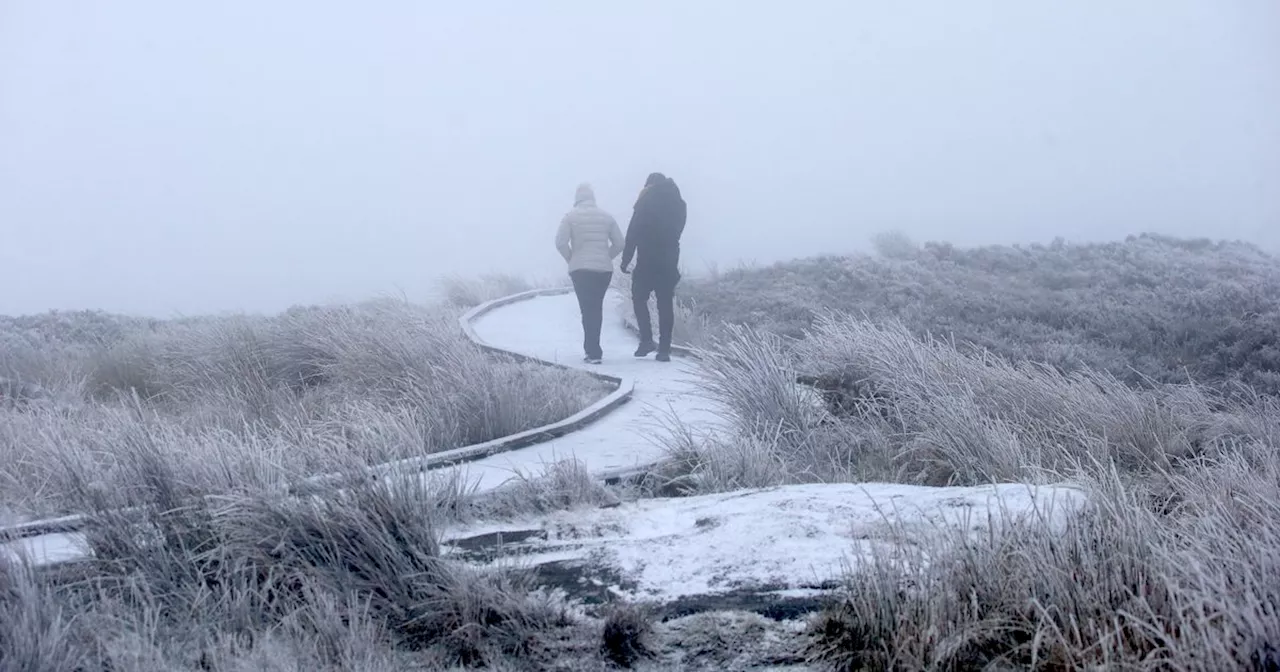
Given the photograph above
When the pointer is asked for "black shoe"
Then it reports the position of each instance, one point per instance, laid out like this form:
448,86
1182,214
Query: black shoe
645,348
663,356
592,360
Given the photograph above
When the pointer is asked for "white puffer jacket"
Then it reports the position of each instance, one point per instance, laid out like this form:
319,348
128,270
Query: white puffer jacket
589,238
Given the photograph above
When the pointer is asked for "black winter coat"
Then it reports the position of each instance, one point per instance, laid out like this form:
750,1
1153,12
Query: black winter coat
653,236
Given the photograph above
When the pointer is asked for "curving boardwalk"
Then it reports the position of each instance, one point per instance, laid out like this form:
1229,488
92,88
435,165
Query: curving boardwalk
547,328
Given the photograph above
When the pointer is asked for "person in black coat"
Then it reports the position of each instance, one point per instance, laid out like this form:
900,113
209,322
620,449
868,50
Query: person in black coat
653,238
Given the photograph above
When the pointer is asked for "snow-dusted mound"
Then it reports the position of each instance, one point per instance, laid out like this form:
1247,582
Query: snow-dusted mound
788,542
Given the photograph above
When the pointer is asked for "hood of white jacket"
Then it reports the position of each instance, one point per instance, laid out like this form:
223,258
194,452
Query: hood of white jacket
585,195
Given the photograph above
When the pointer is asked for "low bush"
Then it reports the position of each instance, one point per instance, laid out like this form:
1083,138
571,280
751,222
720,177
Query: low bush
354,580
1123,586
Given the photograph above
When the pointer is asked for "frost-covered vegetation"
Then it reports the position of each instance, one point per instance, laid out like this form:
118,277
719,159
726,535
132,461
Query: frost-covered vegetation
242,402
1142,371
1151,308
254,581
175,437
466,292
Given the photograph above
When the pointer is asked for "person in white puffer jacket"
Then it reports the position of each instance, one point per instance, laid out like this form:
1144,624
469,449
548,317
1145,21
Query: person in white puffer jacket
589,239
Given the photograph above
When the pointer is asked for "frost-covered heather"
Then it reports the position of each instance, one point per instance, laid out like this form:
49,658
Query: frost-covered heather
1150,307
50,349
1174,566
251,581
1133,584
247,401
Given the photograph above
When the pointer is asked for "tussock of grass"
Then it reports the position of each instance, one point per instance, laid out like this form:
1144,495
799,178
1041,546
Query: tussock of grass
1122,587
247,401
256,579
984,409
36,634
925,412
626,634
561,485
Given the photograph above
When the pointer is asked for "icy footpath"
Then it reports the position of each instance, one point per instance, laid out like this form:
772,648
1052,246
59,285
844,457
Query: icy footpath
549,328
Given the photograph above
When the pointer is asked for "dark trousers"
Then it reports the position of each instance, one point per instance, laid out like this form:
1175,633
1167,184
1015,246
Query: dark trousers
663,286
590,286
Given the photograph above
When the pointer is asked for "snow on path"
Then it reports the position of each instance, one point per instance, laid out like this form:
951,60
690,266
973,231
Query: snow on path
46,549
787,541
550,328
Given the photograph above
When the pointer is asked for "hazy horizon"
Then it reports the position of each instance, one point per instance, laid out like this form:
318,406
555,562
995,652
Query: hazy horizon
158,158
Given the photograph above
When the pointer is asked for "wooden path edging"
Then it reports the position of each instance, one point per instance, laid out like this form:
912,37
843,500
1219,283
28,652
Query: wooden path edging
315,484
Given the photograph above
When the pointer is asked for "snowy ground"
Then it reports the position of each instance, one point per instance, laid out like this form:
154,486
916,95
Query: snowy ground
788,541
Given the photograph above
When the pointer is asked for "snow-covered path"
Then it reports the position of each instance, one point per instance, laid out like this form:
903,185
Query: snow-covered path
549,328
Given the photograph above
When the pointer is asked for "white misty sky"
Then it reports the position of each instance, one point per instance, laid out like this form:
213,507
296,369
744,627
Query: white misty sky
160,157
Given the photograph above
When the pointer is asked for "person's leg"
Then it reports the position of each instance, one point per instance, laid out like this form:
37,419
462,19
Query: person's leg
666,292
641,288
581,285
665,289
597,284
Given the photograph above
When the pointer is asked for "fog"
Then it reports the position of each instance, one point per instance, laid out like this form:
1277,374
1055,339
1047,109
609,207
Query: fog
162,157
